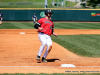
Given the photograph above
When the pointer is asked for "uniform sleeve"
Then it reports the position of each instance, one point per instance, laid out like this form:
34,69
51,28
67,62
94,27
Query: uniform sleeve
52,27
40,21
38,24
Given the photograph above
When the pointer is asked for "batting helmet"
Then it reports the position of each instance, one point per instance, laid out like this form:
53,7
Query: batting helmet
48,11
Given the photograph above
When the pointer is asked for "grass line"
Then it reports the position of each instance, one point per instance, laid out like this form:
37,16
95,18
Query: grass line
22,26
29,24
8,26
77,25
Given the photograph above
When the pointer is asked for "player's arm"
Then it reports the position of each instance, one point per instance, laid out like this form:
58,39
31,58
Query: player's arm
32,17
1,16
52,30
53,33
36,18
37,25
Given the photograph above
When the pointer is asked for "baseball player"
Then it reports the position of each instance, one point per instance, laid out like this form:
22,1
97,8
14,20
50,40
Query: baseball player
34,17
45,28
1,17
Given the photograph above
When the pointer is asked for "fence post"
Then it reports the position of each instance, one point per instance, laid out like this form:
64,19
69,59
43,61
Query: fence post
45,4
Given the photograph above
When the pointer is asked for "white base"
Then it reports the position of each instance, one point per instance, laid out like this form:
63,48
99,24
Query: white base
67,65
22,33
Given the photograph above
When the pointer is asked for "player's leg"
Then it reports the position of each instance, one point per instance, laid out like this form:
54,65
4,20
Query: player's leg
42,39
48,49
0,21
34,20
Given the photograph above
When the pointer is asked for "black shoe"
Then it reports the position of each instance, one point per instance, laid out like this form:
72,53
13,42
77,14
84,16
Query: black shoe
38,58
43,59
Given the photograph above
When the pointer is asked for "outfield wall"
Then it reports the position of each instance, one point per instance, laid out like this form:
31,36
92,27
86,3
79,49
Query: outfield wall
58,15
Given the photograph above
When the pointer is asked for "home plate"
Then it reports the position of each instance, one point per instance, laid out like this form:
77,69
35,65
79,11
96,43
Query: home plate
22,33
67,65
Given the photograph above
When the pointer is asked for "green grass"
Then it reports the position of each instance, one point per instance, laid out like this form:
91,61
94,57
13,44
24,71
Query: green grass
24,0
23,6
83,45
69,4
17,25
58,25
77,25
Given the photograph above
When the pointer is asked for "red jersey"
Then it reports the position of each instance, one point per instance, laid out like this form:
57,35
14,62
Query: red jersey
47,26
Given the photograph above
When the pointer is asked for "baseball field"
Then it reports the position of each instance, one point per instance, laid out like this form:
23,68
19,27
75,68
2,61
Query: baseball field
77,44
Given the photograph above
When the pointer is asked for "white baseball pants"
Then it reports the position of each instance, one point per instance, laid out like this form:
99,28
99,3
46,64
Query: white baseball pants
45,41
34,20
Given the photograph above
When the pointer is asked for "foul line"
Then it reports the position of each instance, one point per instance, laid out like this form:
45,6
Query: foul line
29,66
87,66
54,66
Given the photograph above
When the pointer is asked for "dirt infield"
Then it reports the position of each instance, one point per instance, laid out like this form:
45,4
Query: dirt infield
18,53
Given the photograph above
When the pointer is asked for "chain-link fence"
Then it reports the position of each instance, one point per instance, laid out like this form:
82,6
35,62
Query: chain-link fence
20,3
36,3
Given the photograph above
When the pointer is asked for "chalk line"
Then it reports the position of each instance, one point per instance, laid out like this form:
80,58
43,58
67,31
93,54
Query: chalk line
54,66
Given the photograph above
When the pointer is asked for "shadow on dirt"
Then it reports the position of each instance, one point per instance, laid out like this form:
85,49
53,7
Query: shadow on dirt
49,60
52,60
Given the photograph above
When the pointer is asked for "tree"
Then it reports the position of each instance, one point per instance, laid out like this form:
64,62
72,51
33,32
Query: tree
82,0
93,3
83,4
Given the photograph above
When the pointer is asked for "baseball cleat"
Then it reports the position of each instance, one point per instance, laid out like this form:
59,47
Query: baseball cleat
43,59
38,58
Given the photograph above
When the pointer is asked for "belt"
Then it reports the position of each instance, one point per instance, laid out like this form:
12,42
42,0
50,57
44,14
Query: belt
41,32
